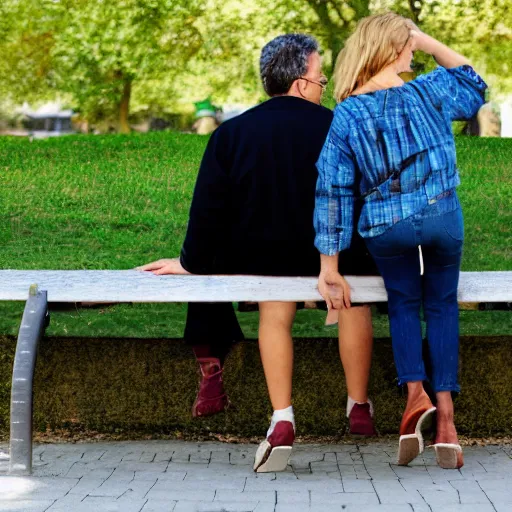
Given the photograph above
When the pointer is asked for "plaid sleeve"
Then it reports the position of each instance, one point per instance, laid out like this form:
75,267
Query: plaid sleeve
460,90
334,205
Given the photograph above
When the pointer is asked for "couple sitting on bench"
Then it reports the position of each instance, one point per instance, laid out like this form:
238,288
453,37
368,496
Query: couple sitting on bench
385,179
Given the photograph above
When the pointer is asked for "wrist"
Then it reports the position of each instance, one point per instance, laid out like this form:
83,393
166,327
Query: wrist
328,263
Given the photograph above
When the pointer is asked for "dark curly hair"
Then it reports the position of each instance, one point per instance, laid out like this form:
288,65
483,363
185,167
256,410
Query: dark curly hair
283,60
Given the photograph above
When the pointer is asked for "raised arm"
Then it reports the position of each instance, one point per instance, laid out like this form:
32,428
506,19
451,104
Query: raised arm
454,87
443,55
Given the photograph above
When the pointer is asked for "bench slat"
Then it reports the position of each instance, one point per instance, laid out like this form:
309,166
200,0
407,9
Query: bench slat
135,286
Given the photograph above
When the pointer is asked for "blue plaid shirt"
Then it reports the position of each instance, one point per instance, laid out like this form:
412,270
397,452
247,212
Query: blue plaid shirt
394,151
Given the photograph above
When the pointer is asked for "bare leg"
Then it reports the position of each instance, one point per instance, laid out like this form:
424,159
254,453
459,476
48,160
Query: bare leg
446,432
415,393
356,343
276,349
417,417
418,402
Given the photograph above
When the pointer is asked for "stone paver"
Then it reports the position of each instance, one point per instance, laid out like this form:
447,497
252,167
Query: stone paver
160,476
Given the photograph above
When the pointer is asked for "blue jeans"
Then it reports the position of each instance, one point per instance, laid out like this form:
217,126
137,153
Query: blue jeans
440,233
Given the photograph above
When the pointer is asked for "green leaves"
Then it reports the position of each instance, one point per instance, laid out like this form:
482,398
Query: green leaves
92,48
175,52
104,45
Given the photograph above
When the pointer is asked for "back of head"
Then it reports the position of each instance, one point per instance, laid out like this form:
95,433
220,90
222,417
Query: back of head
375,43
285,59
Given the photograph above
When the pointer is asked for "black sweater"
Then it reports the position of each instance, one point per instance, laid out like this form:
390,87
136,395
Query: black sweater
252,209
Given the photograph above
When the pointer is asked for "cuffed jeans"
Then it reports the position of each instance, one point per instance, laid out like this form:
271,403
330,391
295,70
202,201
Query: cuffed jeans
440,234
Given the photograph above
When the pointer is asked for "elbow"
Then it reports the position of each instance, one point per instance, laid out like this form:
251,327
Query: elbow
466,62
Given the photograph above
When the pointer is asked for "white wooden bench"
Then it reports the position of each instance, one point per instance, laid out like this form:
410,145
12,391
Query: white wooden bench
112,286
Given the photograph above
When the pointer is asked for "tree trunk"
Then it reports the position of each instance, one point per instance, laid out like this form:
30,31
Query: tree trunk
415,10
337,33
124,106
333,40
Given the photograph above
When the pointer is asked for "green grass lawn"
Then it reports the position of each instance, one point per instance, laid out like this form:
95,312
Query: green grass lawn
115,202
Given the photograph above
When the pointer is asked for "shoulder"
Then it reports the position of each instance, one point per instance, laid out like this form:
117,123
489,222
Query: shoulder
324,112
287,107
310,109
230,128
322,117
242,119
345,114
428,89
216,137
358,107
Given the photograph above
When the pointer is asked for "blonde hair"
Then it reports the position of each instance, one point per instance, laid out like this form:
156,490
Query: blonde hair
376,42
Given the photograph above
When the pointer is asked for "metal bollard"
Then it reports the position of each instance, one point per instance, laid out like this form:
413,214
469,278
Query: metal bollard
33,324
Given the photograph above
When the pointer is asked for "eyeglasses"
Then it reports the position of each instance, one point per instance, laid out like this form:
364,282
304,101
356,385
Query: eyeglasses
322,83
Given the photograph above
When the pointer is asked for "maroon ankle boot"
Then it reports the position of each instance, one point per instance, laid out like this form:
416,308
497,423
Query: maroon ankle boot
211,397
361,421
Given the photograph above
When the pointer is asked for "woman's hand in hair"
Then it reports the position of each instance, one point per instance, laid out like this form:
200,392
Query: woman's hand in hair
164,266
412,26
334,289
420,41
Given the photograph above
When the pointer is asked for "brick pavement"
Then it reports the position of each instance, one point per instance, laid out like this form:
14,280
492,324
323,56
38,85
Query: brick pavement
161,476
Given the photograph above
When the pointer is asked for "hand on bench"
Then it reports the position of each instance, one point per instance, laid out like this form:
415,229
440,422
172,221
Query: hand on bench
164,266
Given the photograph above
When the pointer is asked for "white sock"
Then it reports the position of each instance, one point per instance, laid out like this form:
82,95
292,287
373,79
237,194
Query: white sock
351,402
281,415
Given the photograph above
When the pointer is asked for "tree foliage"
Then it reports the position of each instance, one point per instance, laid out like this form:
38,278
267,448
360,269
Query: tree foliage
96,50
26,40
161,55
337,20
104,47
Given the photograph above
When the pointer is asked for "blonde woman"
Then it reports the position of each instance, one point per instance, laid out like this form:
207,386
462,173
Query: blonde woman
391,150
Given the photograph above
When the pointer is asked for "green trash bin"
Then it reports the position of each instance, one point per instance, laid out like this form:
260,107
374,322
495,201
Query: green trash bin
205,108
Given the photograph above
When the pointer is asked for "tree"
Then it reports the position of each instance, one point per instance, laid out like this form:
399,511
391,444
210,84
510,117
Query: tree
104,47
330,21
26,40
159,56
337,19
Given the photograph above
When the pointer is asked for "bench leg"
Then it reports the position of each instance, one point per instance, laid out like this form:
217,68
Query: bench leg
33,324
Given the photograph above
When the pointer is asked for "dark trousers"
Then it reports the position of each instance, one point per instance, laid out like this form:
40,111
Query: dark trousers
212,327
440,235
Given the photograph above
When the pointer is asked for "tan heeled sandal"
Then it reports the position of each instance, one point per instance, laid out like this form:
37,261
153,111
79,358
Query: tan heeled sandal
414,423
448,455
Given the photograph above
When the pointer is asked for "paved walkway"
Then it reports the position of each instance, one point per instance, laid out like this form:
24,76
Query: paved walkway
159,476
